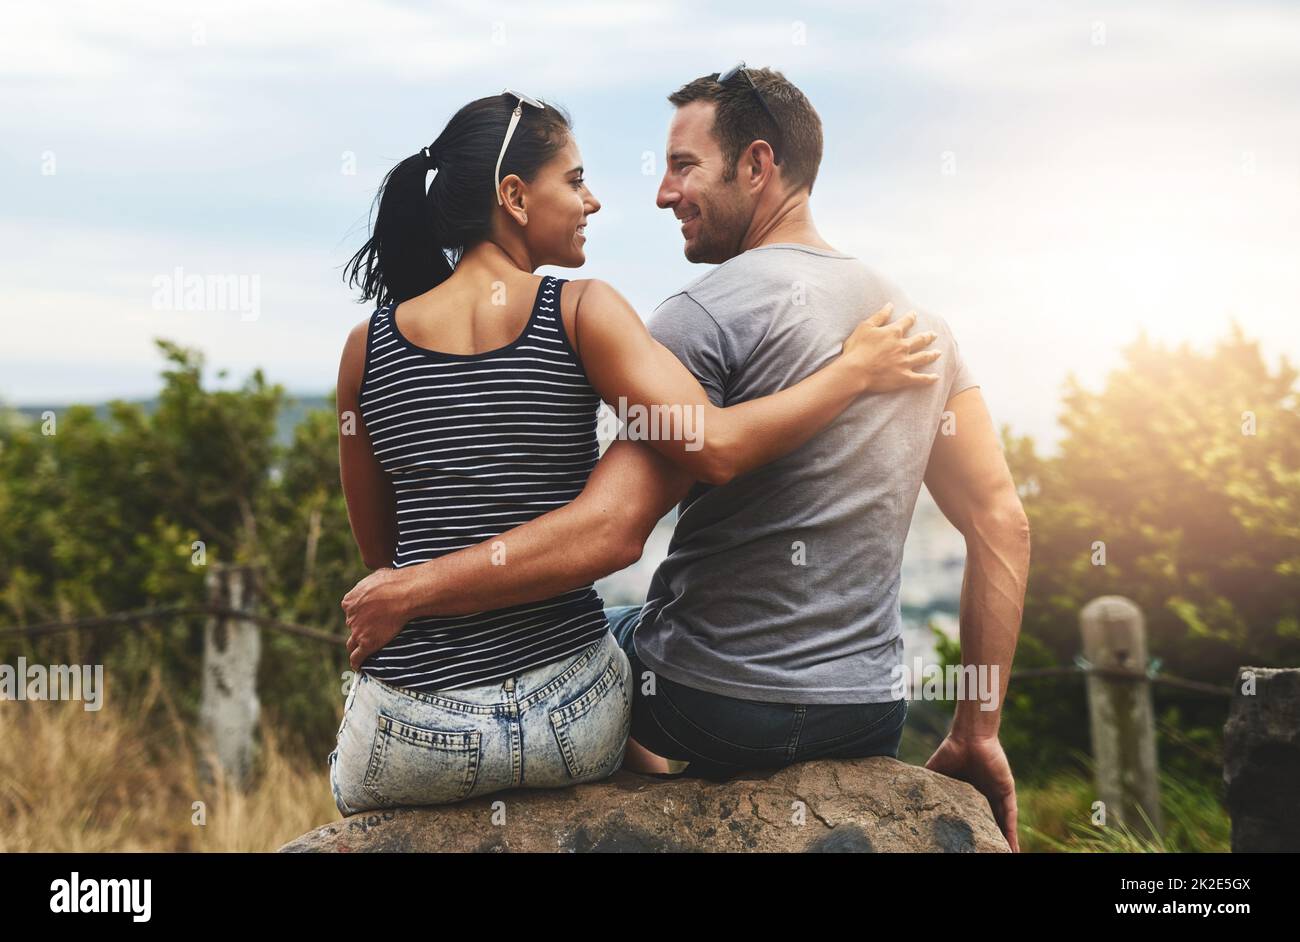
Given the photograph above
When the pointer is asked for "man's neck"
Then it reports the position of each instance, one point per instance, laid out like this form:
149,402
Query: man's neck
792,222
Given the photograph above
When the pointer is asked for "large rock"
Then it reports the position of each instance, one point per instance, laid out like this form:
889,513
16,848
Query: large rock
1261,760
876,804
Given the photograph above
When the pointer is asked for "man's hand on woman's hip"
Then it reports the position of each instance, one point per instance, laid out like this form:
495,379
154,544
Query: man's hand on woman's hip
376,610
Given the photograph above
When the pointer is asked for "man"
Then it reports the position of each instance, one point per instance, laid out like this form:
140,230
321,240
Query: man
771,632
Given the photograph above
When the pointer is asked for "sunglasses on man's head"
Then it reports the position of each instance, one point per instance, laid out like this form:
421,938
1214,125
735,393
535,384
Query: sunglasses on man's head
510,131
739,67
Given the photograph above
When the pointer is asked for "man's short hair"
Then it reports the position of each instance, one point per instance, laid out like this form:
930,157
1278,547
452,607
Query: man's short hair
740,120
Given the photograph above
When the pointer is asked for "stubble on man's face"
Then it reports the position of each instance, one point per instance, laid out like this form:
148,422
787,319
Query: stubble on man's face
724,217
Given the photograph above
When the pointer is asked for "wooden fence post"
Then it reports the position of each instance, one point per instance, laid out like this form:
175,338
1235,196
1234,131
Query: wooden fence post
1261,760
228,710
1120,713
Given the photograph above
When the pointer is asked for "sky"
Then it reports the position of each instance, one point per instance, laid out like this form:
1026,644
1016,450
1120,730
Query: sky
1051,178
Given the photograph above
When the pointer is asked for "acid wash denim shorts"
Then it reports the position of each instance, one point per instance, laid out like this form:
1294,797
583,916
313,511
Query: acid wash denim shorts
556,725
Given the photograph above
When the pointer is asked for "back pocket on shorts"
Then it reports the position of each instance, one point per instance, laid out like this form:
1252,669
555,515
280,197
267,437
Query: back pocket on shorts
413,765
591,729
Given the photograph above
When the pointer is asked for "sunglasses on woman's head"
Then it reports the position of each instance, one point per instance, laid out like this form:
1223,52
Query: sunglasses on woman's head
724,77
510,131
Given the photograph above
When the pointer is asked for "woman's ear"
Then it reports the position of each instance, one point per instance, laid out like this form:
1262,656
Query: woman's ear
515,198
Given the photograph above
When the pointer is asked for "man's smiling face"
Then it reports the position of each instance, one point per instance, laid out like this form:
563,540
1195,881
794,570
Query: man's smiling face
714,212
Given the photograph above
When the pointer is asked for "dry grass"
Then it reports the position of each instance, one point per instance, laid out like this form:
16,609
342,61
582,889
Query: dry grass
112,780
72,780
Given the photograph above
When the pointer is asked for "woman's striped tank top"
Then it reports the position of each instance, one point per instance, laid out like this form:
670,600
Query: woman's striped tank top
476,444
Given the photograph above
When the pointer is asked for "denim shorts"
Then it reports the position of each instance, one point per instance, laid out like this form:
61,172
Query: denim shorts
556,725
720,736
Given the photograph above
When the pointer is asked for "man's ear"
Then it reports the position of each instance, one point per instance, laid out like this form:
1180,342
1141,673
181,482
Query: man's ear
757,161
514,194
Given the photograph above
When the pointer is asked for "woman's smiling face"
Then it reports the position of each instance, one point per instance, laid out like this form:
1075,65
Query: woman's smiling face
558,204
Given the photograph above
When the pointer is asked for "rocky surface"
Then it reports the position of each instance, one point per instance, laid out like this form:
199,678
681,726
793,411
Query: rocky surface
860,805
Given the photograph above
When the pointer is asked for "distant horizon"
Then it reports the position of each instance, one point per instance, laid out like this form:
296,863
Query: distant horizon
1046,444
135,400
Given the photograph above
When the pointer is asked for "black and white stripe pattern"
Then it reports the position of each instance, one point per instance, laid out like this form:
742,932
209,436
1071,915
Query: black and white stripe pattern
476,444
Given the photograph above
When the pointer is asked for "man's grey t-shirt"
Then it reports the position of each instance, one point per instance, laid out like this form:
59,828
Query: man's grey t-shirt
782,585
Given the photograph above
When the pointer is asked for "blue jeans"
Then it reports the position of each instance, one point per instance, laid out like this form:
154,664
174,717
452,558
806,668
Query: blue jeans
720,736
552,726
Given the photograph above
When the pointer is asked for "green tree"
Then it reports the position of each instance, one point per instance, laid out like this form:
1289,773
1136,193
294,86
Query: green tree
129,510
1185,470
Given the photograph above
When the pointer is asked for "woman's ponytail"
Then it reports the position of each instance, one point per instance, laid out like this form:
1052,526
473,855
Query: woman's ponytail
412,230
403,256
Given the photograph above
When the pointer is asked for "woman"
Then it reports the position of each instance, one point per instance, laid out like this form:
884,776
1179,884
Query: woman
468,406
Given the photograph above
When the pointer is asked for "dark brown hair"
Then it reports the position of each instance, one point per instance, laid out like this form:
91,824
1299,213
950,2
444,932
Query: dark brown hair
740,120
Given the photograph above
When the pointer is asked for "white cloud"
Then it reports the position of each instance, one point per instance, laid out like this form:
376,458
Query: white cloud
1152,181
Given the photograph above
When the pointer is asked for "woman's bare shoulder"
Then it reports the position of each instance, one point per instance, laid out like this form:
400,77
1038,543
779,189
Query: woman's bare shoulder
595,294
595,306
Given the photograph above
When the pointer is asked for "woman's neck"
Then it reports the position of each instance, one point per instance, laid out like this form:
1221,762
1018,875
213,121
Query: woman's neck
493,262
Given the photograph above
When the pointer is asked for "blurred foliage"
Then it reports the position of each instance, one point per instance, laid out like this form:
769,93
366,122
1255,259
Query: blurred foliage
131,510
1057,816
1186,466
